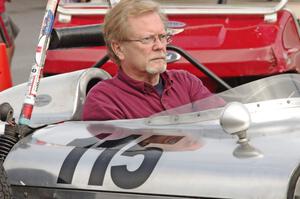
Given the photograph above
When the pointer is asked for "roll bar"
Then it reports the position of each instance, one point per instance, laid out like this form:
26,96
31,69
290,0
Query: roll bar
74,9
78,36
91,35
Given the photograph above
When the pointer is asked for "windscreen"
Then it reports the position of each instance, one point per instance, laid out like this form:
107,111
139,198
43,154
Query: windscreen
282,86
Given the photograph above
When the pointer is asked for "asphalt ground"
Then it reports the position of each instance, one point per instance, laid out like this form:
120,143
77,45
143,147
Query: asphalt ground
28,15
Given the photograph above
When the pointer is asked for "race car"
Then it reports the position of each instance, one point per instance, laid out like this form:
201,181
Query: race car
247,146
239,40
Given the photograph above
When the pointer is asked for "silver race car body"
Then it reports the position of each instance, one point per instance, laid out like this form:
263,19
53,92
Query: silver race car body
241,143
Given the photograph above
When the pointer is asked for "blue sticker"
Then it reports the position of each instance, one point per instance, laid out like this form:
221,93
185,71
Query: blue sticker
47,26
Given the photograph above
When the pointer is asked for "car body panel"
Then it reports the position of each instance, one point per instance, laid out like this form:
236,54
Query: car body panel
5,75
61,96
196,169
162,156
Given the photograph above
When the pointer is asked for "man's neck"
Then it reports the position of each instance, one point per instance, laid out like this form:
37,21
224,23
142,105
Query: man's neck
152,79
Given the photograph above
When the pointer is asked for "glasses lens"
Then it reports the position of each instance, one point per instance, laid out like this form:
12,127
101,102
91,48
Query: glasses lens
148,40
164,38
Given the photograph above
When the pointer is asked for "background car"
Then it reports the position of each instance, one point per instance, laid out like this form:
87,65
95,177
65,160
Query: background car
5,75
239,42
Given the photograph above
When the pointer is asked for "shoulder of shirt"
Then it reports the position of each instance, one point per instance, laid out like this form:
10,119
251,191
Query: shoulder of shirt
178,73
104,85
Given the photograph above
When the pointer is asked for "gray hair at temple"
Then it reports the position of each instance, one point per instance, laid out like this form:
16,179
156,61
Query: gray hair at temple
116,20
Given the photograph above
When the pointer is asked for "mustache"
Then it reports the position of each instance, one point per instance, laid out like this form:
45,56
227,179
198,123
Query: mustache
160,57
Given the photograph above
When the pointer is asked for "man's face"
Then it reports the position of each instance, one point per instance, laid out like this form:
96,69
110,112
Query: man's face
139,58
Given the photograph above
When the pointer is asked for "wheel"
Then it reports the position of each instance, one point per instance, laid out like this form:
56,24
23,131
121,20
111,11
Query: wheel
5,189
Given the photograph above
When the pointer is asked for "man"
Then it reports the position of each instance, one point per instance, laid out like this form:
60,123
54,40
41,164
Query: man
8,30
136,38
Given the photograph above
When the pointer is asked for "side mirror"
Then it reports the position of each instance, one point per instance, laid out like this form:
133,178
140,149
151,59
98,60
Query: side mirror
236,120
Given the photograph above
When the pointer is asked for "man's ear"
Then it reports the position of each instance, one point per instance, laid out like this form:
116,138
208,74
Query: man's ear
118,49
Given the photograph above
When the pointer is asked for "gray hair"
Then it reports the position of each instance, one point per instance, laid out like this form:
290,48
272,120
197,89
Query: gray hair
116,20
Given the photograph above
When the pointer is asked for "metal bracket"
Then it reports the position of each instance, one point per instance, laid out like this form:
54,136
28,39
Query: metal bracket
63,18
270,18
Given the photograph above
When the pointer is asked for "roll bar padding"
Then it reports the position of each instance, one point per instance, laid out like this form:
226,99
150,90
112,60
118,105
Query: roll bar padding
78,36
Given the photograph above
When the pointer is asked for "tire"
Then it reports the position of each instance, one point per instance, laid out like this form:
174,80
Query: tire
5,189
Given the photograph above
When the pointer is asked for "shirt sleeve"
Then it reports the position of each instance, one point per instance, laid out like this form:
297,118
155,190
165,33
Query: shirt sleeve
99,106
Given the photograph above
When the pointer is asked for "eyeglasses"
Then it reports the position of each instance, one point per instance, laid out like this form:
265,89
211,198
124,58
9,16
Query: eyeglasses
163,38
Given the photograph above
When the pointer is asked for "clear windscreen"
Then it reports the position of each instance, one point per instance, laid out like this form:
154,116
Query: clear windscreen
275,87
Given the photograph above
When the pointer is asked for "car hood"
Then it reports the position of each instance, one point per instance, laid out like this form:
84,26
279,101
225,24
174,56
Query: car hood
175,153
192,160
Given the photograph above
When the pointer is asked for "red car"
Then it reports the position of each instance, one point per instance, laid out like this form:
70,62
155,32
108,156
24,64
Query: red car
233,43
5,76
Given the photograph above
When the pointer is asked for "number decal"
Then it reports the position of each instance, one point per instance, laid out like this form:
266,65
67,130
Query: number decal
132,179
81,145
68,168
100,166
120,175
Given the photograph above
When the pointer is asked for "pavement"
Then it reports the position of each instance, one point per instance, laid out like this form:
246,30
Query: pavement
295,7
28,15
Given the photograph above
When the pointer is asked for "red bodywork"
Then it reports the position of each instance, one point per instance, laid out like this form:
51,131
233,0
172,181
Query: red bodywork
5,75
235,47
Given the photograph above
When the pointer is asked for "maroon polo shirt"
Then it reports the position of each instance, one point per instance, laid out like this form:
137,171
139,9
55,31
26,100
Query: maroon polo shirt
124,98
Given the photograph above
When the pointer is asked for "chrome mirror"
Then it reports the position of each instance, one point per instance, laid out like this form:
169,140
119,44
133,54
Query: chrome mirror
236,120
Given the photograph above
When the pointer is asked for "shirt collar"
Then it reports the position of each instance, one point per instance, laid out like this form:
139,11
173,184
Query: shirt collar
143,86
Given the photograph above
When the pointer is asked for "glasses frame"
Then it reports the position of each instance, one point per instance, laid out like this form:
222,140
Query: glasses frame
152,39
